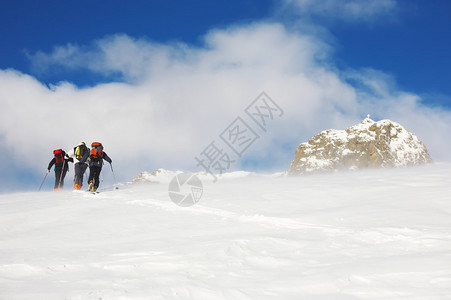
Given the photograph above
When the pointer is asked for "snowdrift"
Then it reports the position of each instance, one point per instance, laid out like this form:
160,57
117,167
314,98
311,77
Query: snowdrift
374,234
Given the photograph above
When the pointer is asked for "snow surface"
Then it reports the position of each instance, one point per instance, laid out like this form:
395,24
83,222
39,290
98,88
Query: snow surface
373,234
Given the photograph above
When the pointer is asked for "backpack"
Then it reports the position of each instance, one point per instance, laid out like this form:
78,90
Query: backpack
80,151
59,155
96,151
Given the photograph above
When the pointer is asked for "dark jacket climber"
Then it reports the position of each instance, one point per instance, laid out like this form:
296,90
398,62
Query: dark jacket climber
95,161
61,163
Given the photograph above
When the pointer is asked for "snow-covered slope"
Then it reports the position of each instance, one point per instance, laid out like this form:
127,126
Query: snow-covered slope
369,234
369,144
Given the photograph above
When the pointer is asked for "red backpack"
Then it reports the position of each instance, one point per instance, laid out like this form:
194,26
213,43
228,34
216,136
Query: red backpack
59,155
96,151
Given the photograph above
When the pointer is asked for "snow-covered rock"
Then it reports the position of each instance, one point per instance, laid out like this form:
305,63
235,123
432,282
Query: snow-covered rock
157,176
369,144
165,176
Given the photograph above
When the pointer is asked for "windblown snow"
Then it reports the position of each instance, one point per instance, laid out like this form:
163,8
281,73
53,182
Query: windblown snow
368,234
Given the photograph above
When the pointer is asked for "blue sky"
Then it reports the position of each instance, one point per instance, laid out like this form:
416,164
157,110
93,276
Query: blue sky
29,26
155,69
413,44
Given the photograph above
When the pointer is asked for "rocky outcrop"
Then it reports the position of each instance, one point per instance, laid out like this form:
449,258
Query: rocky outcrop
368,144
157,176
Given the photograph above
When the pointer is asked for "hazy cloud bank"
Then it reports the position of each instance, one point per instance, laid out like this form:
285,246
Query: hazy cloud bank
176,98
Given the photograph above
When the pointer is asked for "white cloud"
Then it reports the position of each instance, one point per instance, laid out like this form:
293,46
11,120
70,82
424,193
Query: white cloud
120,54
346,10
179,98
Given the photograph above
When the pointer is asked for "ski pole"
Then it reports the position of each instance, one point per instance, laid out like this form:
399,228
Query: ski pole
44,180
114,176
